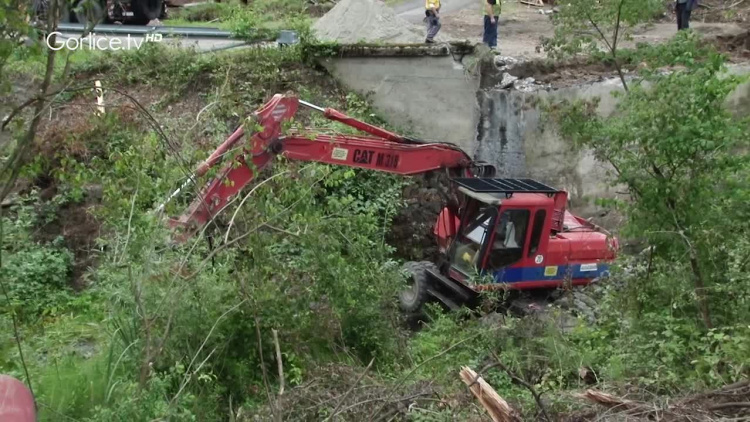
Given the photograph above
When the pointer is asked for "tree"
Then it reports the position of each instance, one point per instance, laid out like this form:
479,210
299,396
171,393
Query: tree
677,148
585,26
15,29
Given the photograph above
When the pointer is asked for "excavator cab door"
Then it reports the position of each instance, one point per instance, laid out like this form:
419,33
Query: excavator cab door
489,242
507,245
470,245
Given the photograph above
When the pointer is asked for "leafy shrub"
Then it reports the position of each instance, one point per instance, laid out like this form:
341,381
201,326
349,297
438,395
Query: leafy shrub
674,144
36,276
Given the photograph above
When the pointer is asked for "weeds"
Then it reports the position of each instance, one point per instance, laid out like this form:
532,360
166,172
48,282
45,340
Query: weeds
187,332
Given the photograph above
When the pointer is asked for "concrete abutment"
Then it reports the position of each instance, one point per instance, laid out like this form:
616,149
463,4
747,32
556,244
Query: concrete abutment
437,98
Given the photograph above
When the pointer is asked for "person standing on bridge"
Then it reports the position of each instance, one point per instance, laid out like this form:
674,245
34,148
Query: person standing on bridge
682,10
491,10
432,17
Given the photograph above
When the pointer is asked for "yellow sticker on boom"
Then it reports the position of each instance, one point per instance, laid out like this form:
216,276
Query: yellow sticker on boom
550,271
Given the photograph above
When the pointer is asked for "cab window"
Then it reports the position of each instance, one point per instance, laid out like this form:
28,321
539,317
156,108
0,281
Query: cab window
536,231
468,246
510,237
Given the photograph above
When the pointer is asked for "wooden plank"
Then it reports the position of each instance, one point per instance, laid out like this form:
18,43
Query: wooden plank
498,409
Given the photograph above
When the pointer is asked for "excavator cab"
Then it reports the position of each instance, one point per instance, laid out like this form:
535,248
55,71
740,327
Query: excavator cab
506,229
503,223
510,234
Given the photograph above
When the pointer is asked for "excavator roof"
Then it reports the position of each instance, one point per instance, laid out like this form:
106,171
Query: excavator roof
506,186
495,191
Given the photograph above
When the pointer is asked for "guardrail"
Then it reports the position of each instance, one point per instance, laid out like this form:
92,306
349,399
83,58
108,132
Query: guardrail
180,31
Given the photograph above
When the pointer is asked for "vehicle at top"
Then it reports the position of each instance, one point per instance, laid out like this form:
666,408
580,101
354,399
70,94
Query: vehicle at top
94,12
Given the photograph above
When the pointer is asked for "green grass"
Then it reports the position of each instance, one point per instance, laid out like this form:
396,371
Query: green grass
178,21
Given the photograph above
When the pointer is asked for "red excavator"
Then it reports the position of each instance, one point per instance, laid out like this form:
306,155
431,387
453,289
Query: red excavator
500,233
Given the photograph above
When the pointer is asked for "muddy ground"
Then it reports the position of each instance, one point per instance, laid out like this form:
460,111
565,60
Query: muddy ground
522,27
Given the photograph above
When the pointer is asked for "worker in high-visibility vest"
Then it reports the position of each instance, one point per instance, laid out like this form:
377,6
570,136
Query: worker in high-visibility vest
491,10
432,17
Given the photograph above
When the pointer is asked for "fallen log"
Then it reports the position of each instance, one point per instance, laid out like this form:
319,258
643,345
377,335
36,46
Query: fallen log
608,400
498,409
696,406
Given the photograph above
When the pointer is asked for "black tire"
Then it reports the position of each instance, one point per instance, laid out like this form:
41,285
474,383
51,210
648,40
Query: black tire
145,11
412,299
92,9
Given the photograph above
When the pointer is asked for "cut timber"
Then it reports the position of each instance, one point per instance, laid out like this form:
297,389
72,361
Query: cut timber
498,409
608,400
538,3
99,98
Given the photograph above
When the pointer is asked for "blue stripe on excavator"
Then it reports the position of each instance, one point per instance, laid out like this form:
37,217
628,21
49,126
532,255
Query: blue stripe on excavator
515,275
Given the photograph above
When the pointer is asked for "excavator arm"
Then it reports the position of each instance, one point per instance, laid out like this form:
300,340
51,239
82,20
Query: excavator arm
378,150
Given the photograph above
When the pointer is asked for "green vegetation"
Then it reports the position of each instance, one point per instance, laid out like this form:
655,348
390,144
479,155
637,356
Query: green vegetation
682,155
595,27
115,323
295,272
257,20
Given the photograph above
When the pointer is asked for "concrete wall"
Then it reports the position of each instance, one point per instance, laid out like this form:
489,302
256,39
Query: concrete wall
431,96
436,99
515,137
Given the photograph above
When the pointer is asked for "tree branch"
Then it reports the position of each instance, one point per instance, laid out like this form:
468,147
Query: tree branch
611,46
413,370
521,381
279,361
341,401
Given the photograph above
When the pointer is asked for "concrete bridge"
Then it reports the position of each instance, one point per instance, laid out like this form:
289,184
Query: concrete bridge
443,93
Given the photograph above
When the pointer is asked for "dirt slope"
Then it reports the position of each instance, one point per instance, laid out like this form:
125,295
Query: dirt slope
365,20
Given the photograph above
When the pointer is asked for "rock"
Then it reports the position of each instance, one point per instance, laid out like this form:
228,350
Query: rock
10,200
505,61
586,299
492,319
565,322
86,348
526,307
507,80
584,310
527,85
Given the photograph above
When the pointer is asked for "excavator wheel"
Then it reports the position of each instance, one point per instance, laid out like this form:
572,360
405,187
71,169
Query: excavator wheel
412,299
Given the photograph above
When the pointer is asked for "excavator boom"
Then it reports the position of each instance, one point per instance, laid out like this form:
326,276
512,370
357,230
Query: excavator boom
379,150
